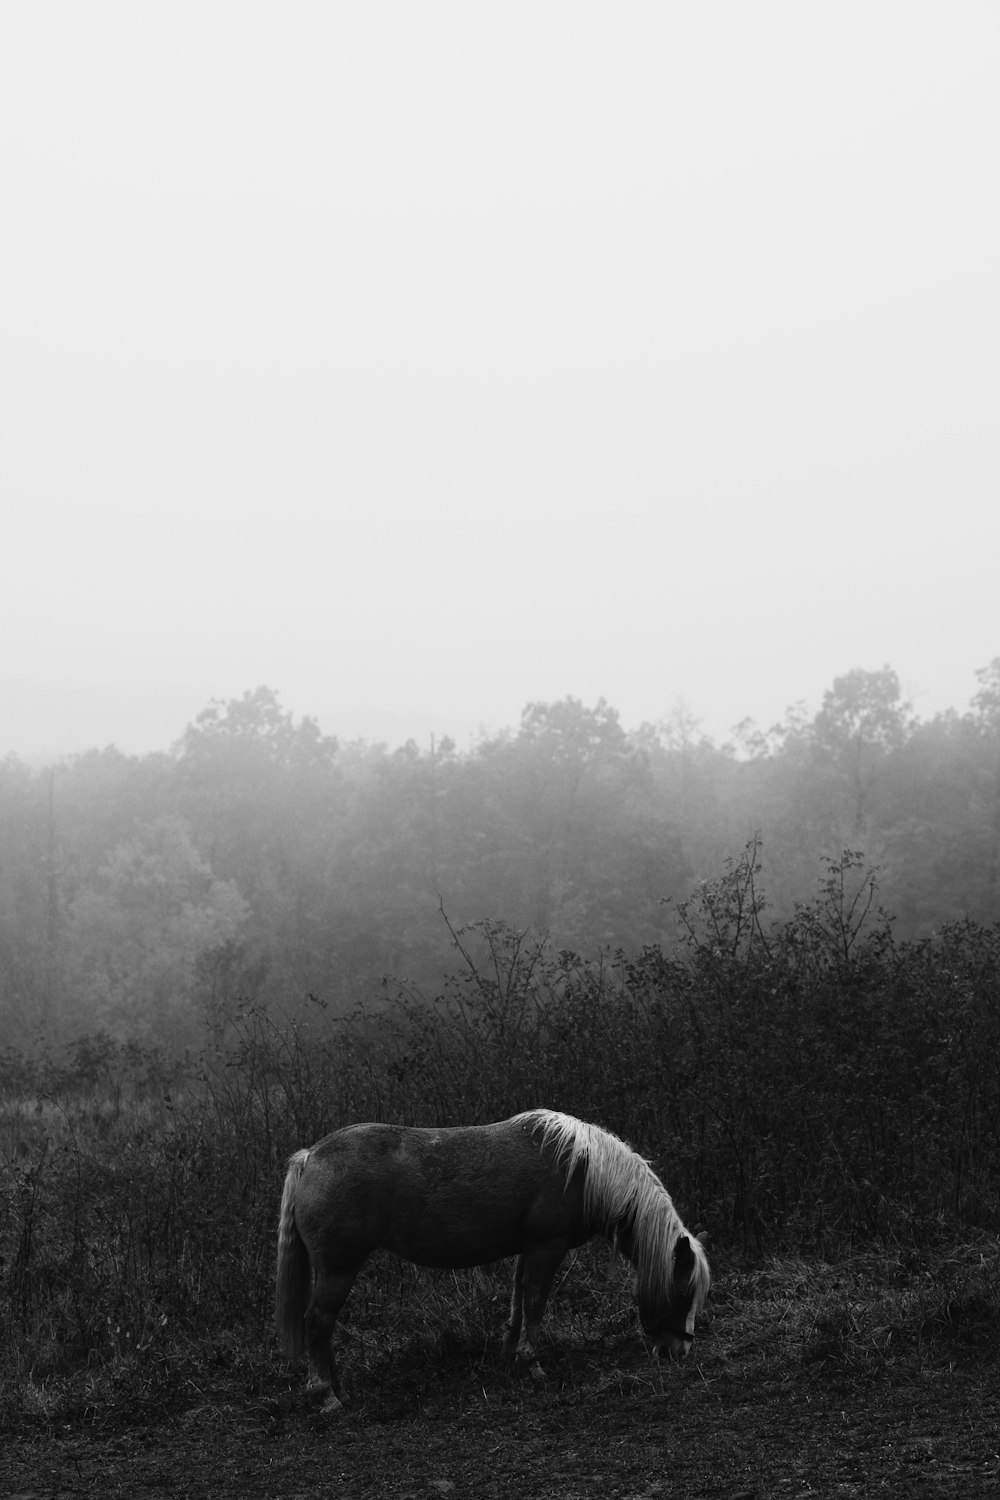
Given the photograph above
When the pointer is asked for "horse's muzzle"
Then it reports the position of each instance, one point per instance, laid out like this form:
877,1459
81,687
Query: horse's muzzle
674,1344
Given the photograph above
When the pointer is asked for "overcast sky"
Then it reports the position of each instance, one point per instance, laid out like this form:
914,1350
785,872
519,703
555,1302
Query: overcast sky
421,360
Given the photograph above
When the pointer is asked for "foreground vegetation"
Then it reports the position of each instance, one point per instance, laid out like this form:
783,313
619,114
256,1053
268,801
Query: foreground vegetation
817,1094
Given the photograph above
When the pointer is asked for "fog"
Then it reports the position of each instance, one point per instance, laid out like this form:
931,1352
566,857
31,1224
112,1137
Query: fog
424,361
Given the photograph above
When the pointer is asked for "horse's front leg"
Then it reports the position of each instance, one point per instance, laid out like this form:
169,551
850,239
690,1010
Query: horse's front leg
537,1274
516,1307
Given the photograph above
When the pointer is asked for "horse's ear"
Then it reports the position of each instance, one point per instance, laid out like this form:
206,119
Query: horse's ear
684,1255
701,1233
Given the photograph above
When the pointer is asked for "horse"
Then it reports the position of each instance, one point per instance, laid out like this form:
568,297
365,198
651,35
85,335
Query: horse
536,1186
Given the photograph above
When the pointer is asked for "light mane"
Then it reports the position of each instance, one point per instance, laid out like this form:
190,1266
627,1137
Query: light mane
621,1190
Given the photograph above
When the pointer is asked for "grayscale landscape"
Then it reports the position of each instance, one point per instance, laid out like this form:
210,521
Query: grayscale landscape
499,611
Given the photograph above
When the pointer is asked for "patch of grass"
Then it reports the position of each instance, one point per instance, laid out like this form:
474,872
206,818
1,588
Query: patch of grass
869,1315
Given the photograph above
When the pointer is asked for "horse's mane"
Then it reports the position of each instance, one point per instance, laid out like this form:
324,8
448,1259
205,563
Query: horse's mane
621,1191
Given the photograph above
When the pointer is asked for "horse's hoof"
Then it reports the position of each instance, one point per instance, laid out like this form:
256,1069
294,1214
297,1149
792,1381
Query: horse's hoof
331,1406
537,1373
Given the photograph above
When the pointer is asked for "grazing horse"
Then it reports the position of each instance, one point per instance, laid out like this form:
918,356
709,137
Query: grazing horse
535,1186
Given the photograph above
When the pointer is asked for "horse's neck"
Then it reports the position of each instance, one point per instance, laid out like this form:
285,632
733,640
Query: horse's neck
622,1239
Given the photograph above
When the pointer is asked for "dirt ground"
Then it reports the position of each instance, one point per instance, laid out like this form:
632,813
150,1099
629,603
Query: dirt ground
603,1422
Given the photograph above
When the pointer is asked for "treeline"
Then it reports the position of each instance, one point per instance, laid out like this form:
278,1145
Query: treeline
260,860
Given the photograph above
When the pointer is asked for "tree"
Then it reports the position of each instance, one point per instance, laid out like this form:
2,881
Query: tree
986,720
571,834
136,936
27,914
263,794
571,735
863,720
257,725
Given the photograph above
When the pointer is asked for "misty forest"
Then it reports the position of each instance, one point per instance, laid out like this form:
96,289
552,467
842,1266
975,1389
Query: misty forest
261,861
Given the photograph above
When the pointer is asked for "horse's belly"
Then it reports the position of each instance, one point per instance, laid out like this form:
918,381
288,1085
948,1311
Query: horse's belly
449,1247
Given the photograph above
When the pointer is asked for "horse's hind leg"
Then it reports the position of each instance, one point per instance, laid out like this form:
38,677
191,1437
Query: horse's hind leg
329,1294
516,1306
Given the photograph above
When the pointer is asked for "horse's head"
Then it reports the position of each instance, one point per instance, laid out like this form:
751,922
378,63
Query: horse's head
669,1319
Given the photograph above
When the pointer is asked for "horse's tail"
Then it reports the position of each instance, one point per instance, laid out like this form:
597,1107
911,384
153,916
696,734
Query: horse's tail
294,1276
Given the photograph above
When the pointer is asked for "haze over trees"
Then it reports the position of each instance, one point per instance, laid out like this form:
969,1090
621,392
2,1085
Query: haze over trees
261,860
